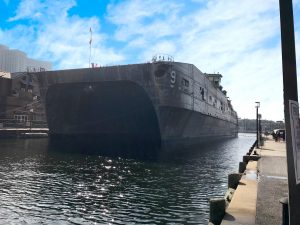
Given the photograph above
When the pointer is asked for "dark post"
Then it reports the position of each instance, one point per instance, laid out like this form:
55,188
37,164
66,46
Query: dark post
285,210
290,93
31,118
216,210
260,130
257,137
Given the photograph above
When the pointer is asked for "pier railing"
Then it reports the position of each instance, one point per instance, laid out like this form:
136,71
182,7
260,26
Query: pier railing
13,123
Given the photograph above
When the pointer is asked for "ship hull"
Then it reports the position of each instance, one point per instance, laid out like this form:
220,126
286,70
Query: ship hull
187,127
159,104
122,113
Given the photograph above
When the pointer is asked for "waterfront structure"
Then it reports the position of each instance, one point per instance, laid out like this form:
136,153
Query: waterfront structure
164,101
5,90
13,60
20,103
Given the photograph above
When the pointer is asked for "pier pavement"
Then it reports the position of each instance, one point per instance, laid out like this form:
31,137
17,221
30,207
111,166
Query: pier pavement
256,199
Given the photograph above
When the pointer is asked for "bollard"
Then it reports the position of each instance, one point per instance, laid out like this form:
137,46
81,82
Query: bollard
262,142
285,210
233,180
242,167
246,158
216,210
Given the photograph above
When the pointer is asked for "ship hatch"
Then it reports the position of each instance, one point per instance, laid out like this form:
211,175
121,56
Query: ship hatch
112,110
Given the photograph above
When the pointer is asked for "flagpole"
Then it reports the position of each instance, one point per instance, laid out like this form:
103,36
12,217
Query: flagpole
90,42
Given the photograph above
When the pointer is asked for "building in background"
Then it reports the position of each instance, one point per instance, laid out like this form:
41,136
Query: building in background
5,74
249,125
20,101
13,60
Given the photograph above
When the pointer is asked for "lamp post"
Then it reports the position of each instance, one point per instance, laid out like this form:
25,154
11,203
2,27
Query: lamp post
257,137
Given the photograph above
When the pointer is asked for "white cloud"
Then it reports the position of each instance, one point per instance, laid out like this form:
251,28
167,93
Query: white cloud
56,36
143,18
68,43
43,11
240,39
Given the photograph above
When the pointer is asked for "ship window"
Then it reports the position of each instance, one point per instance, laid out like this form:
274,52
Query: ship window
215,103
202,93
185,82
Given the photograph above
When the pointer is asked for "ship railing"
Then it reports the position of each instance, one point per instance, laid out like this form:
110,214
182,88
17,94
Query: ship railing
162,58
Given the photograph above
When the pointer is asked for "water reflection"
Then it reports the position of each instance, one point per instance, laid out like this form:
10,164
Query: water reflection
41,184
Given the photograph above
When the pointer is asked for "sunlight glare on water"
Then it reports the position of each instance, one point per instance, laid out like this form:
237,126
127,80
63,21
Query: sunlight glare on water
41,185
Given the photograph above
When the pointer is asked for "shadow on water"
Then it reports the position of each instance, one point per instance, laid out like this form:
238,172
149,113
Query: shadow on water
125,147
129,148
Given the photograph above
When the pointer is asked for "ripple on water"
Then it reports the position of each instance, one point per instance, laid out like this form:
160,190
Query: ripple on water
42,186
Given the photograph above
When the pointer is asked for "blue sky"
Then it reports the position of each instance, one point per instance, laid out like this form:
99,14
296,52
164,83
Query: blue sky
238,38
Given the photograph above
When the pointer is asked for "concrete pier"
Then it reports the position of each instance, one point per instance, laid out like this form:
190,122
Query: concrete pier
273,183
263,184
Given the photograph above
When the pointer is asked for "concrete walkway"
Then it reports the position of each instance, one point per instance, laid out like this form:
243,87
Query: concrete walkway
256,199
242,208
273,183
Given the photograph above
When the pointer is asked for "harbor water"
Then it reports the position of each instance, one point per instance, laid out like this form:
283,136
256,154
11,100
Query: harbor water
41,184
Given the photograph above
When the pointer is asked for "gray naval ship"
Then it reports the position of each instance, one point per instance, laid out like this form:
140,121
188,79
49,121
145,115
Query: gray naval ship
162,102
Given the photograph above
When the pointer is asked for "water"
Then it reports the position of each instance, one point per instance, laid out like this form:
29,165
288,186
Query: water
41,185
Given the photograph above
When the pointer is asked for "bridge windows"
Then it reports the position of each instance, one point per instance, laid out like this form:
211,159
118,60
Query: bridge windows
185,83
